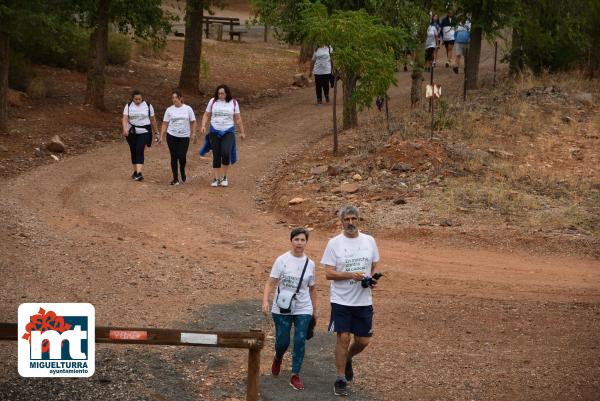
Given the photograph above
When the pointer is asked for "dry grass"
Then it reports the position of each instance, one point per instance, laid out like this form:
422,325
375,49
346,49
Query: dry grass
551,178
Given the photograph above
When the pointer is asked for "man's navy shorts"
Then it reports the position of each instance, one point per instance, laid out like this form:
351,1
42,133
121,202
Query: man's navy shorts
357,320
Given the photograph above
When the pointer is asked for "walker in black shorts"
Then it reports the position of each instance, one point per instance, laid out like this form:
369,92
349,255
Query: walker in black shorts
357,320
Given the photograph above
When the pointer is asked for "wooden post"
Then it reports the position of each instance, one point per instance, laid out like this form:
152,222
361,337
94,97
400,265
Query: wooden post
431,83
335,133
495,60
432,101
465,82
266,38
253,374
387,113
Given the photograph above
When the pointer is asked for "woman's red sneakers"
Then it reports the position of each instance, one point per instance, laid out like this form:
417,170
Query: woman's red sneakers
275,367
296,383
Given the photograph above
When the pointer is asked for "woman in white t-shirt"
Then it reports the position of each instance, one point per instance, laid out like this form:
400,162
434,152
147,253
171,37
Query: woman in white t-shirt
138,124
180,124
320,66
285,276
222,113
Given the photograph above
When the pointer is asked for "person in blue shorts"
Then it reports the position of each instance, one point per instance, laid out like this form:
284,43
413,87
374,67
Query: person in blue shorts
348,258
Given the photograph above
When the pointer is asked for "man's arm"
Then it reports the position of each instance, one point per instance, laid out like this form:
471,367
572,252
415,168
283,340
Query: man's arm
332,274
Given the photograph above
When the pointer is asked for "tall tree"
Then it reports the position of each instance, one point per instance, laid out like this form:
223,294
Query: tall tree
189,79
488,19
363,54
142,18
98,51
411,16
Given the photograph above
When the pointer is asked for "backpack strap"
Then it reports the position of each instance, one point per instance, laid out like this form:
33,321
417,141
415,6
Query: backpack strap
302,275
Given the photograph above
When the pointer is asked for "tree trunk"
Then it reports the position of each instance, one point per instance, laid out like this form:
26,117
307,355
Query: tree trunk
4,63
350,114
189,79
94,93
416,88
266,38
473,56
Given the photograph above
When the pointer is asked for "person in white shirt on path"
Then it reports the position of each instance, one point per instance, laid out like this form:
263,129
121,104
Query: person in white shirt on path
221,115
138,124
349,258
180,124
285,276
320,66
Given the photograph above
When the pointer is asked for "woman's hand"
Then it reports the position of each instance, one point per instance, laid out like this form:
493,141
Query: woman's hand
243,135
125,133
266,308
194,138
159,140
203,130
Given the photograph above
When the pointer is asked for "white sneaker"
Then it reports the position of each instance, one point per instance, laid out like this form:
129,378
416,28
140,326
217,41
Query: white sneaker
224,182
215,182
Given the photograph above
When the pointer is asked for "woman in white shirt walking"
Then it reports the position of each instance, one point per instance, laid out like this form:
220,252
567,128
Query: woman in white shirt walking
222,113
320,66
292,272
138,124
180,124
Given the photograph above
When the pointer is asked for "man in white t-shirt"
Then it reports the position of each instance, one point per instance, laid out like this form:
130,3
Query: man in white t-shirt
348,259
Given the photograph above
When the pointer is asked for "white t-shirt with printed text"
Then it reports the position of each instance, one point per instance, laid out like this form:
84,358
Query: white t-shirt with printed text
138,115
179,119
288,269
354,255
222,113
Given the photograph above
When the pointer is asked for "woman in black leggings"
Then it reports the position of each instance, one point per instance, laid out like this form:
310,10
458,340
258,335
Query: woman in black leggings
138,124
180,124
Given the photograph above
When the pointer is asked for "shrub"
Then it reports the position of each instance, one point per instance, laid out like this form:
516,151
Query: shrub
20,72
119,48
151,48
70,48
37,88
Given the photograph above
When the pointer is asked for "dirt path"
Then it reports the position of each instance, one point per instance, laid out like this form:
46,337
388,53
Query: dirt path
450,323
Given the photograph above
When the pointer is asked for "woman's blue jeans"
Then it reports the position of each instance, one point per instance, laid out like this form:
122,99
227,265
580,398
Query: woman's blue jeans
283,328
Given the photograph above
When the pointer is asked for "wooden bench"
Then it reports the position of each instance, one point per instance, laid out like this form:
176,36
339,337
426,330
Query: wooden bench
225,21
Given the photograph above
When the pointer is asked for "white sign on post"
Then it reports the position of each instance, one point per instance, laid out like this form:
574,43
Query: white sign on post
433,91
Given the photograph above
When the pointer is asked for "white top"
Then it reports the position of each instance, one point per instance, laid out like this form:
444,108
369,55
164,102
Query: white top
138,115
179,119
288,269
222,113
447,33
322,60
432,33
354,255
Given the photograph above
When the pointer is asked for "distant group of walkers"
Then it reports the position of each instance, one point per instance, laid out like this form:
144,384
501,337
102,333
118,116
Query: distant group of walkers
179,123
349,260
453,33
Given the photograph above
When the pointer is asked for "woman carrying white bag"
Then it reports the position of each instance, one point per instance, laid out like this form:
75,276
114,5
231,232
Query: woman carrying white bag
294,303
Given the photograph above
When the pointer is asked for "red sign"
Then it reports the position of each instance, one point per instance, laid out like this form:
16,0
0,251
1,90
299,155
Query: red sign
128,335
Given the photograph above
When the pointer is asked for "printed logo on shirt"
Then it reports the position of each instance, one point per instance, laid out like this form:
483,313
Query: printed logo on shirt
56,340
